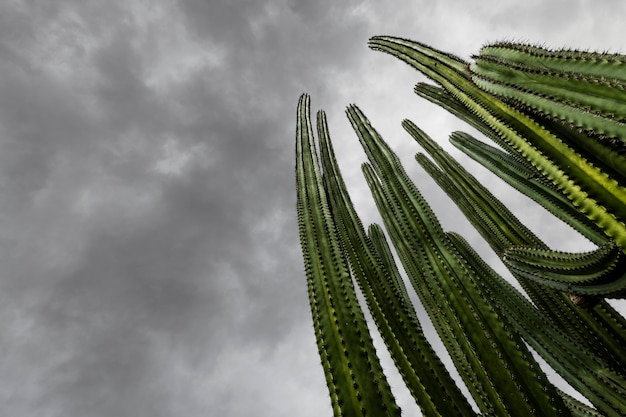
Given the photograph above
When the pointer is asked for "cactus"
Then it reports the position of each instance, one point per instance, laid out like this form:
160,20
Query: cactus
591,177
559,118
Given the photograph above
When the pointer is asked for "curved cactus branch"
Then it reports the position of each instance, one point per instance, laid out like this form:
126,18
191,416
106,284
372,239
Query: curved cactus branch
601,272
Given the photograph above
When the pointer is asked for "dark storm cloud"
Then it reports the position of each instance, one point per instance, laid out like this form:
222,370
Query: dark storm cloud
151,199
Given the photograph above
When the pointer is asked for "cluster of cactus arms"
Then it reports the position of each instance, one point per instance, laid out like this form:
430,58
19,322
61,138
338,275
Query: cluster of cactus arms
559,120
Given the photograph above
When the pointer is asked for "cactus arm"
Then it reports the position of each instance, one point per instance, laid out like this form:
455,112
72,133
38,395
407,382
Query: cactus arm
474,321
381,246
595,193
353,373
588,103
597,94
424,374
596,273
589,64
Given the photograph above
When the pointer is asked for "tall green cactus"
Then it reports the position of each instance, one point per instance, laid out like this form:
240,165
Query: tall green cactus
353,373
559,116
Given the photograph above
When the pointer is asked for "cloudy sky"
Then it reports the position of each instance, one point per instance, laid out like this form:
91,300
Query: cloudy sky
149,255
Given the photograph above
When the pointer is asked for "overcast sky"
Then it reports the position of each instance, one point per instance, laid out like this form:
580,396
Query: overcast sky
149,257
